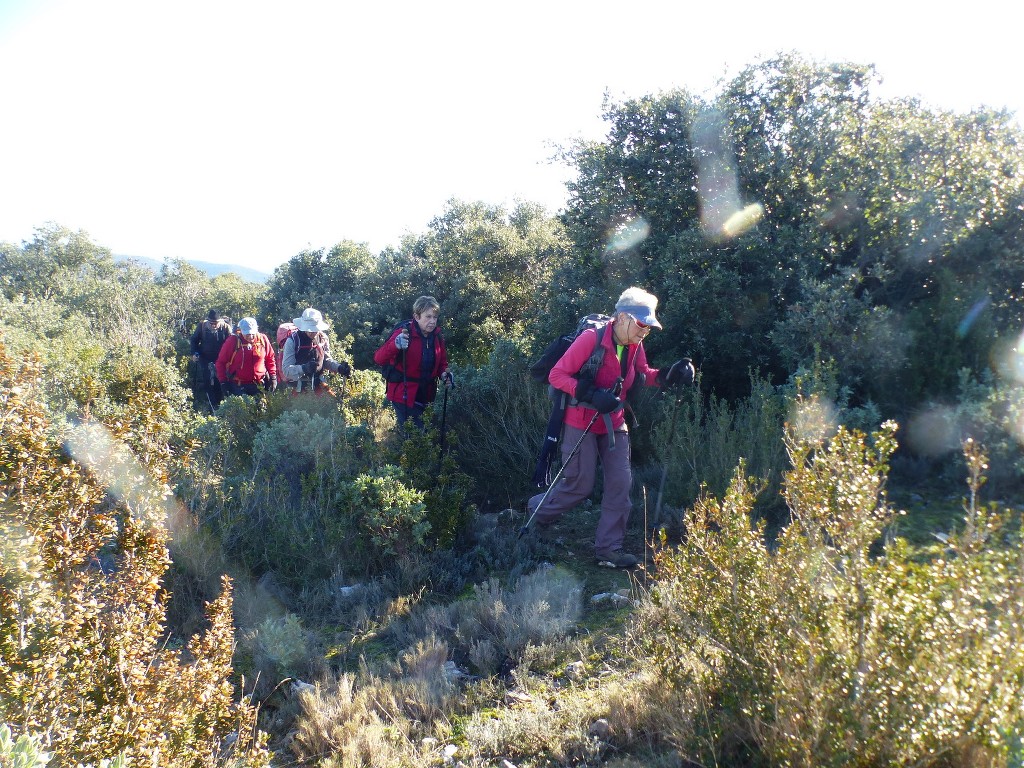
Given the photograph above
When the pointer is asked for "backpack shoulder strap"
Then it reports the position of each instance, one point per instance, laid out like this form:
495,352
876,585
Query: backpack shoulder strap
593,363
238,345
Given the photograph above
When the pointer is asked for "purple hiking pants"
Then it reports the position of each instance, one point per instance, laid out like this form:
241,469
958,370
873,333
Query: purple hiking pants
577,481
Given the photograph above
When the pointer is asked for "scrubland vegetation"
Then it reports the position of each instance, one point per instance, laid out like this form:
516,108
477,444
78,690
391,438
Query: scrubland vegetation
836,576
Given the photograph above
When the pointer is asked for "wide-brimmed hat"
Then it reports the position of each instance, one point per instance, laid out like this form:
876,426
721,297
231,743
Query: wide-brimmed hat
640,304
212,316
311,320
248,325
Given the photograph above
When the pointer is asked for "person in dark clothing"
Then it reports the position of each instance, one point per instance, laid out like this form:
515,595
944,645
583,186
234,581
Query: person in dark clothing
205,344
416,355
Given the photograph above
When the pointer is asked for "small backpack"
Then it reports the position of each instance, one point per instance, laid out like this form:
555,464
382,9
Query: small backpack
284,330
258,344
539,372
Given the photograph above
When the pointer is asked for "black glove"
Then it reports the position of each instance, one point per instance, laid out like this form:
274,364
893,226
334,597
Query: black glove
680,372
271,385
310,368
585,390
604,401
449,379
344,369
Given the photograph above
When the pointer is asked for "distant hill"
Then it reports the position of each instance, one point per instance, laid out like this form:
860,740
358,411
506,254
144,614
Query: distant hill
252,275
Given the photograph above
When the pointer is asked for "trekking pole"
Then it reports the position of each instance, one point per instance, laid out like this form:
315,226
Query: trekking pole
444,429
572,453
664,462
405,390
199,383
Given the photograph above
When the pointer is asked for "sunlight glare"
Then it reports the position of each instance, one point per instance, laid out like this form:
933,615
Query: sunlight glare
932,432
628,235
1012,365
722,214
813,419
965,325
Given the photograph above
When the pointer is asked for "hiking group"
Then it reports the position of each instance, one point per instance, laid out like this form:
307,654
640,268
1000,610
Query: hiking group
240,362
243,361
590,372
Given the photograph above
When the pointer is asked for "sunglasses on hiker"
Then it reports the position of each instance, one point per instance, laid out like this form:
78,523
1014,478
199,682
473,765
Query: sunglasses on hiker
641,326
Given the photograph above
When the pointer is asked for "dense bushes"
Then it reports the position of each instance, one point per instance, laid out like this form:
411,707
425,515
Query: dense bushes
81,616
303,487
832,650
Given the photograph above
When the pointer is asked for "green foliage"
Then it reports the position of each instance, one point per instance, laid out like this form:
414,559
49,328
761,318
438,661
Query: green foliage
991,411
829,650
502,413
487,267
25,752
712,436
339,282
290,486
81,651
876,211
391,514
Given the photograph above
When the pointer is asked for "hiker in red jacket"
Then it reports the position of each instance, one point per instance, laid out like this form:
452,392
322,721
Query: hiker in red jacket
414,357
595,428
246,361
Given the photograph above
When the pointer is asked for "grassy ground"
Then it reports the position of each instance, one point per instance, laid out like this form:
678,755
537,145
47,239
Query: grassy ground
549,672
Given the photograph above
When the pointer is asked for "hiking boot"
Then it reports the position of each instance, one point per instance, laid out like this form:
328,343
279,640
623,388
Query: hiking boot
616,558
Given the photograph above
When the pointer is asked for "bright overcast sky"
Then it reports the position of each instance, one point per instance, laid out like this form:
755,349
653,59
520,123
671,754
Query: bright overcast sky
244,132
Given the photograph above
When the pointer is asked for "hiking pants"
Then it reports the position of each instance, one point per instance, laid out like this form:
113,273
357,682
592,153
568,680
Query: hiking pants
404,413
577,481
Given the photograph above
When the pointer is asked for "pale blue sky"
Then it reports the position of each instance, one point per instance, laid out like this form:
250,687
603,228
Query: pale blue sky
243,132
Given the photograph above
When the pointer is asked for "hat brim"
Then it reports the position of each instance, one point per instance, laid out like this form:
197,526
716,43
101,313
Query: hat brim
642,314
308,325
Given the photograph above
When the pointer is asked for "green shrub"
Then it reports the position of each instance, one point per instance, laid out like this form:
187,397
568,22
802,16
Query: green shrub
991,411
502,413
383,508
838,648
712,436
25,752
83,656
294,441
444,486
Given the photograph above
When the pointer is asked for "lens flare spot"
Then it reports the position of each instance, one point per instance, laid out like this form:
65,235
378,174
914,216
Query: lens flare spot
722,214
628,235
1017,427
932,432
965,325
1010,363
742,220
813,419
